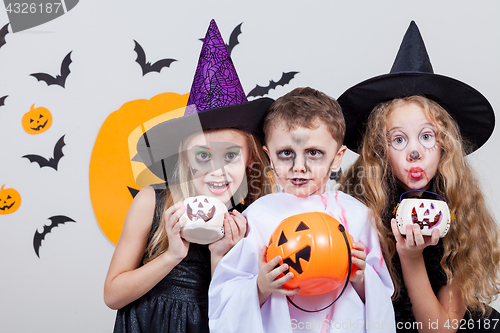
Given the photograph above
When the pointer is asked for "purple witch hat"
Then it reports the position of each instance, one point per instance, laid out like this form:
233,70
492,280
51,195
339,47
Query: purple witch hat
216,100
215,82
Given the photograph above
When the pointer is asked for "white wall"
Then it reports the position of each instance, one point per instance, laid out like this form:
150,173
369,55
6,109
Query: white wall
333,44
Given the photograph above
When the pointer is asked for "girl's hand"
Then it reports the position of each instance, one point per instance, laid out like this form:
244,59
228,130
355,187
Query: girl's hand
412,246
177,246
268,281
358,260
235,227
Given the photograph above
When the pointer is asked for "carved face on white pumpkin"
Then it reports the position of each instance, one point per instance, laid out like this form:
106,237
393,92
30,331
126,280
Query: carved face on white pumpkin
427,213
205,220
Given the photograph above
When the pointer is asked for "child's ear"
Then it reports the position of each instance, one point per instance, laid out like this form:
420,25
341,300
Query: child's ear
268,155
267,151
338,158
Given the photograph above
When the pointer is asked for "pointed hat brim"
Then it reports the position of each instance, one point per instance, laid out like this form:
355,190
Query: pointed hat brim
159,147
467,106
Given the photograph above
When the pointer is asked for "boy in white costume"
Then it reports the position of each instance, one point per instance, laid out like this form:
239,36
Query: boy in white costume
304,130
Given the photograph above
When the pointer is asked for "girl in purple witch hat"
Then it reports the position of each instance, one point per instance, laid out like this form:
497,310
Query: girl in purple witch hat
157,280
412,129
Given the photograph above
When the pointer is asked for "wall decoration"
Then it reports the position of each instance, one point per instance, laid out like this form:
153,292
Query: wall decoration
59,80
233,39
146,66
113,176
37,120
2,100
261,91
10,200
39,237
4,31
52,161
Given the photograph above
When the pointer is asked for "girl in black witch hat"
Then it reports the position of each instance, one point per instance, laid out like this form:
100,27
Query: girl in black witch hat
413,129
157,280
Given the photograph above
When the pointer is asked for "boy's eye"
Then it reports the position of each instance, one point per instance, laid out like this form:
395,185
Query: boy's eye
285,154
315,153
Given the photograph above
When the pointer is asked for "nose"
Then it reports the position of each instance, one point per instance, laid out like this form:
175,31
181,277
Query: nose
299,164
414,155
217,171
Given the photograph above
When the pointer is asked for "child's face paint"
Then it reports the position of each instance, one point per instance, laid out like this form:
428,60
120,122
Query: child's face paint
414,154
218,160
303,158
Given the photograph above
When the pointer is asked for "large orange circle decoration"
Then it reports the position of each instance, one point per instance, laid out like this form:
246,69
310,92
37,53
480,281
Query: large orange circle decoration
115,174
10,200
37,120
315,249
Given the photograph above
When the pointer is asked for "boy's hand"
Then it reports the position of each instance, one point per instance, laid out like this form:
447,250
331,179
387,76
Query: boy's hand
358,257
268,281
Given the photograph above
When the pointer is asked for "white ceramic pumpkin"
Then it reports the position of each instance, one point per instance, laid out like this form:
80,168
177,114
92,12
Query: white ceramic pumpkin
205,220
427,213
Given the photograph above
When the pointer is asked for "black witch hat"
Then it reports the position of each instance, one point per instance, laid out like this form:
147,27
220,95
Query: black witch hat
412,74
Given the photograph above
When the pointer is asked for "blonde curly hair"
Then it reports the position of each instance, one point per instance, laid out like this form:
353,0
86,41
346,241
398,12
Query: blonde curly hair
471,250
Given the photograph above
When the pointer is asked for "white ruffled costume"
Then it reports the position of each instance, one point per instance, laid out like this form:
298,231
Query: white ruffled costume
233,299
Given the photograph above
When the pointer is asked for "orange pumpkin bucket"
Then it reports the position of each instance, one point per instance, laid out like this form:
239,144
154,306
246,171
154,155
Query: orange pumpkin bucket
316,248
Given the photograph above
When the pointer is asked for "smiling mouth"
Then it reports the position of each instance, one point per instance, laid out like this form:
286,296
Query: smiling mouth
299,181
218,188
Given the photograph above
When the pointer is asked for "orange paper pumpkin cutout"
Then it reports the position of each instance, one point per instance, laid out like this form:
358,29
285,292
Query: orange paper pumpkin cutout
37,120
114,171
315,250
10,200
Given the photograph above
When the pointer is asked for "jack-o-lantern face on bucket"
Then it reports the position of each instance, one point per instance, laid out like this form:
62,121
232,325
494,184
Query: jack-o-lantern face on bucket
10,200
205,220
37,120
315,249
427,213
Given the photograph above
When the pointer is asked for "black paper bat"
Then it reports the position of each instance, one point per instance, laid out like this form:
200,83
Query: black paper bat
51,162
4,31
132,191
261,91
2,100
146,66
38,238
233,39
59,79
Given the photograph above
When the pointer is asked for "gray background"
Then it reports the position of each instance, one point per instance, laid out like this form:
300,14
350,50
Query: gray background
333,44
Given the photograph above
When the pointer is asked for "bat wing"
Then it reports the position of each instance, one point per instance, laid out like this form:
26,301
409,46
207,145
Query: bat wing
132,191
64,70
141,58
4,31
42,161
285,78
157,66
261,91
49,79
2,100
39,237
233,39
58,154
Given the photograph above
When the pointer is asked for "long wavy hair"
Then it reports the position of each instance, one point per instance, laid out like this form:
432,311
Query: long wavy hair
259,179
471,250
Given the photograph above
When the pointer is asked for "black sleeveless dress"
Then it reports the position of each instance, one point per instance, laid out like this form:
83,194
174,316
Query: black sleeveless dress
405,322
179,302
